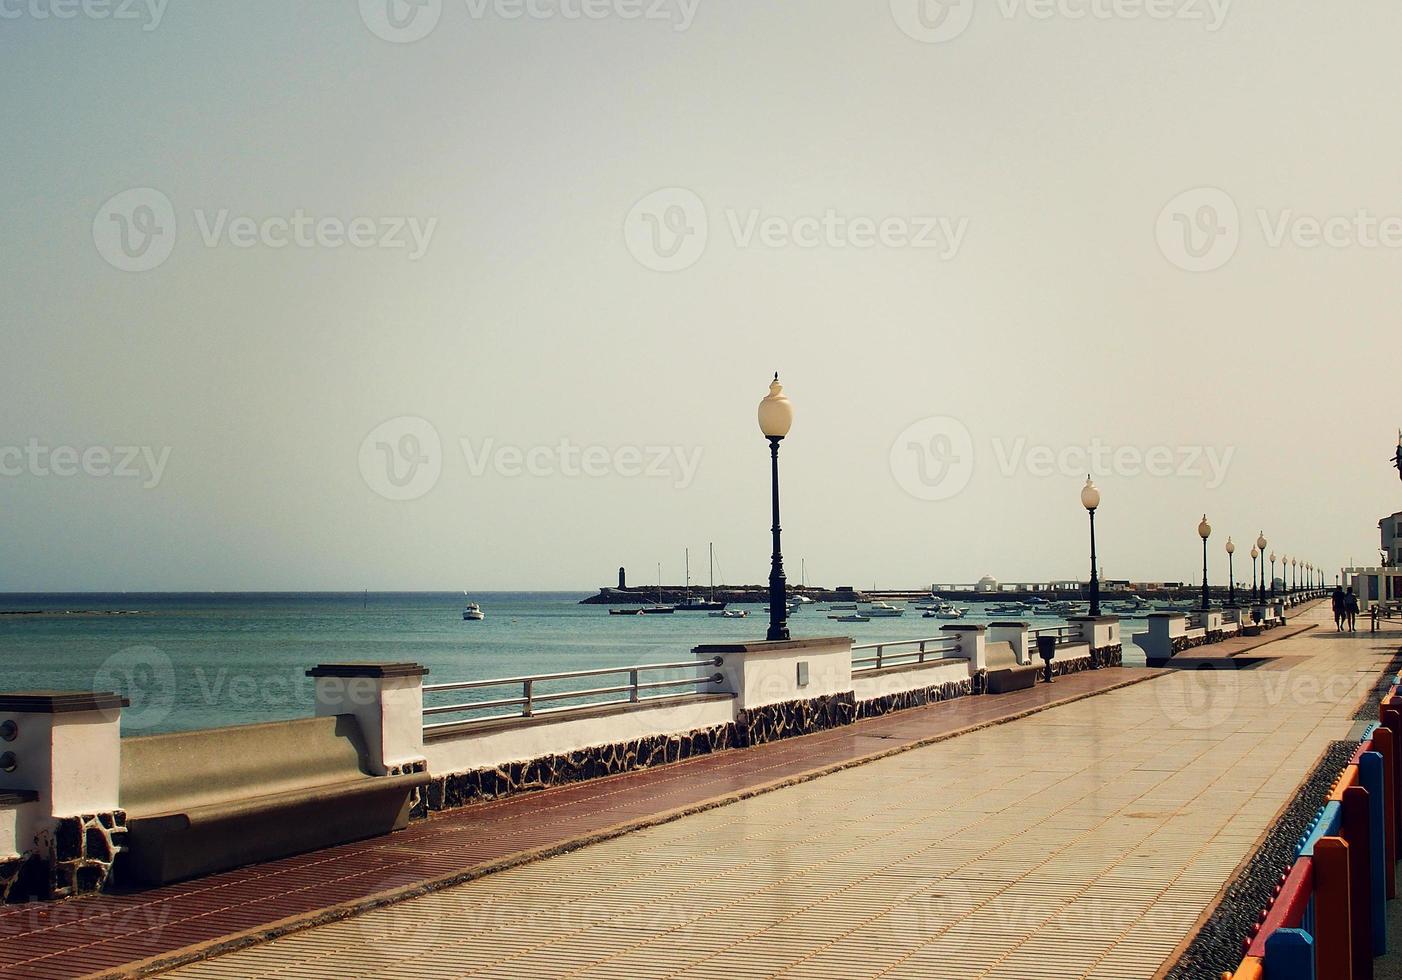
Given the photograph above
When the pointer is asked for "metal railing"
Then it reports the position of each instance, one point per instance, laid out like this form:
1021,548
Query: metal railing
931,648
530,697
1065,635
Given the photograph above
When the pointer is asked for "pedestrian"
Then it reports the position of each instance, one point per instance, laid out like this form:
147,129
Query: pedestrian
1351,608
1373,614
1339,608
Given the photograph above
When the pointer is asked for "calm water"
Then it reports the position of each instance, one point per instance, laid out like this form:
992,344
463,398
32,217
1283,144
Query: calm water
194,661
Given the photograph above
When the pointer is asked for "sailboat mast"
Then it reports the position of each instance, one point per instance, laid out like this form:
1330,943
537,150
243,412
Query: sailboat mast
713,570
686,595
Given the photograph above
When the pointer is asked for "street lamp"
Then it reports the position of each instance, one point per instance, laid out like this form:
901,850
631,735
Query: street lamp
1231,574
1255,553
1272,574
1090,500
1294,575
775,420
1205,532
1261,544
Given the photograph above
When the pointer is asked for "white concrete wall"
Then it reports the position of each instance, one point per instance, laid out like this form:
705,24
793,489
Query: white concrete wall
1016,636
540,737
869,685
773,673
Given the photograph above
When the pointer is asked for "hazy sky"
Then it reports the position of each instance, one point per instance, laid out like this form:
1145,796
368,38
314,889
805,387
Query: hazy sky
989,247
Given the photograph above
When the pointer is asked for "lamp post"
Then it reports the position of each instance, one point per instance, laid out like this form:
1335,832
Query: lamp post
1272,574
1255,554
775,420
1205,532
1261,544
1231,574
1090,500
1294,575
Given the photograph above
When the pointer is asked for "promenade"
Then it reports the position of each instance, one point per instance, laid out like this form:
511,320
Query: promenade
1086,839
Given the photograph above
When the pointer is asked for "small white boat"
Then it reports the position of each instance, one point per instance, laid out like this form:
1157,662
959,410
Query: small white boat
852,618
843,607
950,612
730,614
473,612
884,609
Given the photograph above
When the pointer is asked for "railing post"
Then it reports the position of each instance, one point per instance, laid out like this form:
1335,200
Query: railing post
1354,825
527,692
1333,951
1370,775
1289,955
1386,747
633,681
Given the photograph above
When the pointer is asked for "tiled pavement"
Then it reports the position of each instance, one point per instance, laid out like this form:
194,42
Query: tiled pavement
1081,841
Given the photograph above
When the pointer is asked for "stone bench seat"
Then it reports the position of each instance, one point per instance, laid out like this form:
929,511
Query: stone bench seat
1005,673
206,801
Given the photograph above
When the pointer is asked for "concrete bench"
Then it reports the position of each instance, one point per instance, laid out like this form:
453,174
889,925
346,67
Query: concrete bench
1005,673
206,801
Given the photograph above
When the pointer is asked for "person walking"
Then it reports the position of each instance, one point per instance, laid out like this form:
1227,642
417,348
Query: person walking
1351,608
1339,609
1373,615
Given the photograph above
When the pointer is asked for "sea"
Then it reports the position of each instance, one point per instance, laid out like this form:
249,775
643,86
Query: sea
202,660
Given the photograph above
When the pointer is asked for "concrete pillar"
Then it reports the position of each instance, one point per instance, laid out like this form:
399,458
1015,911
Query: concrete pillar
388,701
972,643
1015,635
61,753
778,672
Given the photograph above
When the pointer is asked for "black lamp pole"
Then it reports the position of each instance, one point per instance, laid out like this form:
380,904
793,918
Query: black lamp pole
1253,577
1094,574
1272,576
778,583
1206,600
1231,579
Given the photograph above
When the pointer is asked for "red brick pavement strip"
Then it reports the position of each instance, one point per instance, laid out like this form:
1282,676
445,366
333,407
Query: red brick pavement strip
139,934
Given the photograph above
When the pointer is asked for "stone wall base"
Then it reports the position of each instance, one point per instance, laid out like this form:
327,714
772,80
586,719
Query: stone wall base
917,698
81,852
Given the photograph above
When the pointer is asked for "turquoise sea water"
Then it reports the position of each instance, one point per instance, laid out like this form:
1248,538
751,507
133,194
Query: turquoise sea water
203,660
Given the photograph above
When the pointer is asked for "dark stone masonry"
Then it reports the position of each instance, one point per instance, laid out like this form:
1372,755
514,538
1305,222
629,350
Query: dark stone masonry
83,850
917,698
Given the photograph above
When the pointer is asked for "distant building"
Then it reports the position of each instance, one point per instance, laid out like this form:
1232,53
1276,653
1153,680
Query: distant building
1380,584
1391,530
987,584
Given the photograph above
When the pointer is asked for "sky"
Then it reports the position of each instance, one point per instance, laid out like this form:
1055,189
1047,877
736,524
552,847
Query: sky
482,294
